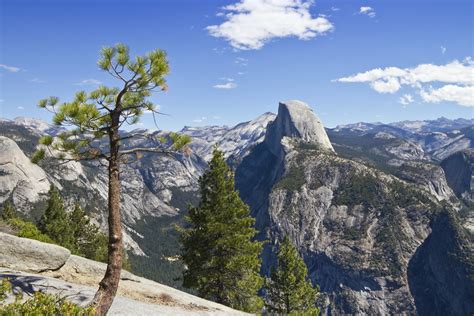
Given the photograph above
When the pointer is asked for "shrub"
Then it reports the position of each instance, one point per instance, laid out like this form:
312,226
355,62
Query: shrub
39,304
28,230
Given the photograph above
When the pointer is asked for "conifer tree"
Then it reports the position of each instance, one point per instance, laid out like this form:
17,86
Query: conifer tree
55,220
92,122
222,259
9,211
288,291
88,240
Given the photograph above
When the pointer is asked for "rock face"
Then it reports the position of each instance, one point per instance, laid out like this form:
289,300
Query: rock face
20,180
234,141
459,170
360,218
428,176
440,280
295,119
30,255
76,279
356,226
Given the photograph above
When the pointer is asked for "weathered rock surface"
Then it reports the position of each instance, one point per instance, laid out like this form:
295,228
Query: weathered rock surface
441,279
459,170
233,141
76,278
20,180
356,226
428,176
296,119
30,255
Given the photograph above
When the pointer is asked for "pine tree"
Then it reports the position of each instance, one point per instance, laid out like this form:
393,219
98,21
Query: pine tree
55,220
9,211
92,122
88,241
288,289
218,249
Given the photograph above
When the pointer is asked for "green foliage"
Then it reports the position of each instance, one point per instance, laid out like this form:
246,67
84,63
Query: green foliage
46,140
72,230
38,156
288,290
293,180
9,211
358,189
92,115
87,240
28,230
55,221
39,304
179,141
218,249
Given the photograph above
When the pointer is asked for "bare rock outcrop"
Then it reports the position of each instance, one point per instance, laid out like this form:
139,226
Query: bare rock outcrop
36,266
296,119
30,255
20,179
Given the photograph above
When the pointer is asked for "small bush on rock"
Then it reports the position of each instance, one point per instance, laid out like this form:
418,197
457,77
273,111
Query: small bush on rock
39,304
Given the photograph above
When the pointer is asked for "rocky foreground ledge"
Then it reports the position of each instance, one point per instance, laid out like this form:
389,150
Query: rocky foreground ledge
36,266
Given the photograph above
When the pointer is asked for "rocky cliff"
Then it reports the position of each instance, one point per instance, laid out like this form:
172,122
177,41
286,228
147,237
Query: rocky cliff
296,119
20,180
357,226
459,170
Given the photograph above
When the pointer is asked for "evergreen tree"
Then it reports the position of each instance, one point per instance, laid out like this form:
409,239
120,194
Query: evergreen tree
55,220
88,241
92,122
218,249
9,211
288,289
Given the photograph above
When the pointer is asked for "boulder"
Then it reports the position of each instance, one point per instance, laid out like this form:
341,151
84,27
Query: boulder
30,255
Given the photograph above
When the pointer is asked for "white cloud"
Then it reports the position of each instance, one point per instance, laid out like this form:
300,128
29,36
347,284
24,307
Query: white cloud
457,75
241,61
37,80
462,95
10,68
200,119
367,11
250,24
335,9
86,82
230,84
406,99
20,108
443,50
227,85
389,85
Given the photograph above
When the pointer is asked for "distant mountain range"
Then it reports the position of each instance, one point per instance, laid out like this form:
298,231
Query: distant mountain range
365,203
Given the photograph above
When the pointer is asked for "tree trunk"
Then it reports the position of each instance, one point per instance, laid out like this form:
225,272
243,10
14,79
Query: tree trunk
108,286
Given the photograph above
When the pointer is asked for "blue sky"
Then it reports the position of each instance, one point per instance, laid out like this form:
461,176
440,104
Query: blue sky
331,54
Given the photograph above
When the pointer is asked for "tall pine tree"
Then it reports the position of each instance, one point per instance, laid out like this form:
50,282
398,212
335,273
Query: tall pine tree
288,289
55,220
92,122
221,256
